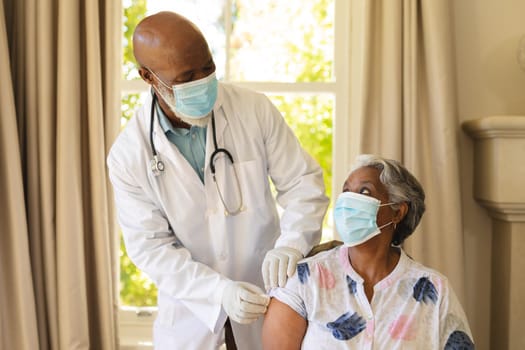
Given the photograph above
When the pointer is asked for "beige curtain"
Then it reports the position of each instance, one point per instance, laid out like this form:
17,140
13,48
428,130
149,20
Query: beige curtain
60,110
403,107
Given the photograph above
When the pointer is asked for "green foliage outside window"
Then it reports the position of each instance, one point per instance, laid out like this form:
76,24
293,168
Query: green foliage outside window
135,288
309,116
134,12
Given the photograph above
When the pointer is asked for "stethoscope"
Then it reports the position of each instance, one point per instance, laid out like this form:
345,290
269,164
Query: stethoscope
157,165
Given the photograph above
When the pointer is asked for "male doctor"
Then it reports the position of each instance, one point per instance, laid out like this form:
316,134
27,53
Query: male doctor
191,180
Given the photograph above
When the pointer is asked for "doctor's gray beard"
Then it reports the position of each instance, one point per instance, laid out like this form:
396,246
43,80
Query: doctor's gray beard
168,97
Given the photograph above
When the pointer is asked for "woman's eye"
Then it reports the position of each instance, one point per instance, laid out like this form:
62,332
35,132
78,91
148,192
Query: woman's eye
365,191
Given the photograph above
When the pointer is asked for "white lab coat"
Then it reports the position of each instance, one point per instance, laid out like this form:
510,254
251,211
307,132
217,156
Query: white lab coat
174,226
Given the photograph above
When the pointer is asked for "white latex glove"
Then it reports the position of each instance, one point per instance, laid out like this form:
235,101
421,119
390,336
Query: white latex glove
244,302
279,264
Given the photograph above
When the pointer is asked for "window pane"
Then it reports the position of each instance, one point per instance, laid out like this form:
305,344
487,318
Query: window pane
265,45
282,41
207,15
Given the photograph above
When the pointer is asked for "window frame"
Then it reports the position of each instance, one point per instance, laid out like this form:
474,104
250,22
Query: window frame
135,322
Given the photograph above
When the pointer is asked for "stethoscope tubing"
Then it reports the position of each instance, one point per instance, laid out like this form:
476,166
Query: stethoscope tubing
157,166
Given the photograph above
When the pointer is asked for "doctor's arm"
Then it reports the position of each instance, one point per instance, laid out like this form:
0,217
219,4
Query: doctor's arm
155,249
298,179
283,328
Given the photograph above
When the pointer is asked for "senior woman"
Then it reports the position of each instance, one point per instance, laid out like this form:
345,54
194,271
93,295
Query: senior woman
368,293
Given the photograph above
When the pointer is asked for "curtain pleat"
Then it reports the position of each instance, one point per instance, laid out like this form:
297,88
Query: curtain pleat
60,114
17,302
403,107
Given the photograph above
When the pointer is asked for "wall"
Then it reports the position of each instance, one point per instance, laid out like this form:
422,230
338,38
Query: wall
489,82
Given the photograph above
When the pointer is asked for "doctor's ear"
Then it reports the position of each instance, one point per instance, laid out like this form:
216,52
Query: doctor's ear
146,75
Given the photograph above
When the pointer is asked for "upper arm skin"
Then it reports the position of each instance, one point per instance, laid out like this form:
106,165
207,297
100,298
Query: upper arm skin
283,328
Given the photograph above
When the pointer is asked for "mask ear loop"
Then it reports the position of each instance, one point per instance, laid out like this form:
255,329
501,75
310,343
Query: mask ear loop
394,223
385,225
391,222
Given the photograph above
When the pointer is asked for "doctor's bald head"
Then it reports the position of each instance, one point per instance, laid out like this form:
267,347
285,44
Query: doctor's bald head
169,44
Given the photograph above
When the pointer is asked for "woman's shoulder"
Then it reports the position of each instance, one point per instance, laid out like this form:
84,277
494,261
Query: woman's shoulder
415,267
323,252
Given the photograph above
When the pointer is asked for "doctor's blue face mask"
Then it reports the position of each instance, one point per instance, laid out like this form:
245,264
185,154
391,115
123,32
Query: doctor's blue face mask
194,99
355,217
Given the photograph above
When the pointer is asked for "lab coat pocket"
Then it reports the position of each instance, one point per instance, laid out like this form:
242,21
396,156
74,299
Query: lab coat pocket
254,183
243,184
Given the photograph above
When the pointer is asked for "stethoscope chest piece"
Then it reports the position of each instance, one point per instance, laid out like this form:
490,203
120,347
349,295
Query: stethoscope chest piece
157,166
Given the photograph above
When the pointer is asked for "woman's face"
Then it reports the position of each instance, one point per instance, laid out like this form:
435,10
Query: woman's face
365,181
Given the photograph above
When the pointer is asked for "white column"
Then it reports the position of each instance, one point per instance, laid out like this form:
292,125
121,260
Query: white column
499,186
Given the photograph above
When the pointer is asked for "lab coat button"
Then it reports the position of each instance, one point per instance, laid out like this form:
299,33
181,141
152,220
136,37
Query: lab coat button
223,256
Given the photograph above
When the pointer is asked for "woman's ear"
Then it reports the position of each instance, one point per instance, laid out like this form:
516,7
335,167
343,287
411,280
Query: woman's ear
400,213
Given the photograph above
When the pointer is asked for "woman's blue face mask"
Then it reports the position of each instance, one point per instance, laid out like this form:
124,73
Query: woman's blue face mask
355,217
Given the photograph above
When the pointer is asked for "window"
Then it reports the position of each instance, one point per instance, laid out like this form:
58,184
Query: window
300,64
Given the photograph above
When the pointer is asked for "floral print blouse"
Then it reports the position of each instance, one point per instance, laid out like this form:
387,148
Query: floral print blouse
412,308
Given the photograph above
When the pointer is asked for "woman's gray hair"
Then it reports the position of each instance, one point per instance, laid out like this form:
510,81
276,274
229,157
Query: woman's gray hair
402,186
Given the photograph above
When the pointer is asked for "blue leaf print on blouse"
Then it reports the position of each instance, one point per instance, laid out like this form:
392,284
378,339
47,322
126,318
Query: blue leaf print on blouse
347,326
303,271
459,340
425,291
352,285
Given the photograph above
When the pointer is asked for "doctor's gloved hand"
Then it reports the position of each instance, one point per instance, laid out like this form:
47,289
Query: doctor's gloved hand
279,264
244,302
